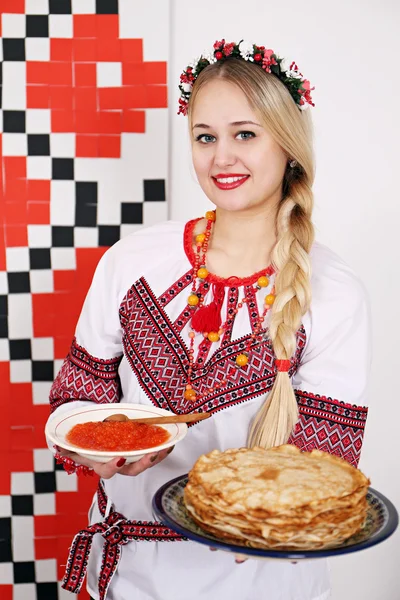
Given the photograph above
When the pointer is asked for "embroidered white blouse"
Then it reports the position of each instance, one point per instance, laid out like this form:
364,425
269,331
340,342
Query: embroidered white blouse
131,344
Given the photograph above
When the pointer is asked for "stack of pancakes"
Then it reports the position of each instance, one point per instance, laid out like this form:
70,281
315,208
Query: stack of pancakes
280,498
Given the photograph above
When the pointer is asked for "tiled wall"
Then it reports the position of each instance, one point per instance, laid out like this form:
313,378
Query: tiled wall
83,148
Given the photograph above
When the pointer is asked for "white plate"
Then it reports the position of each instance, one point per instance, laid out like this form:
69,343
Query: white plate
57,428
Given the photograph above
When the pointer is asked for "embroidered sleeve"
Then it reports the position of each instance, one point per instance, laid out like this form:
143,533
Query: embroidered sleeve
331,382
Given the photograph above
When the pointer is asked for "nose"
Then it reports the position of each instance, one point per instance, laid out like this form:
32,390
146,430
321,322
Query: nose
224,154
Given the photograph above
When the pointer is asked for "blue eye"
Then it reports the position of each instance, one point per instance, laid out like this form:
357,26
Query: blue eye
246,135
205,138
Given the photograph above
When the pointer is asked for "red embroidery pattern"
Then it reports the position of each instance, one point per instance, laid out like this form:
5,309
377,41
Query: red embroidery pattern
116,531
85,377
329,425
159,358
71,466
175,288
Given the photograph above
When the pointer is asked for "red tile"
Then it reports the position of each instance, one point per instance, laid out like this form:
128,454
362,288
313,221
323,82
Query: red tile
85,50
12,6
134,96
39,190
37,72
14,166
110,146
86,121
62,345
134,121
87,146
109,50
64,281
157,96
61,49
131,50
5,473
16,235
109,122
61,97
107,26
85,98
15,213
85,73
21,443
45,526
38,213
62,121
37,96
6,591
21,461
155,72
60,73
133,73
16,190
2,245
45,547
85,26
110,98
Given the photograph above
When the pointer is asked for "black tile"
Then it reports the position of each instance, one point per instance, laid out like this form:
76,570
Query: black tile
86,192
24,572
3,305
154,190
62,168
85,215
38,145
1,96
14,121
58,467
18,283
5,540
20,349
3,327
42,370
45,483
14,49
46,591
37,26
1,73
131,212
22,505
109,234
60,7
107,7
62,236
39,258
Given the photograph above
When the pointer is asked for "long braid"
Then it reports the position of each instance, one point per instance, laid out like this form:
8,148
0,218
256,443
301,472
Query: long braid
274,422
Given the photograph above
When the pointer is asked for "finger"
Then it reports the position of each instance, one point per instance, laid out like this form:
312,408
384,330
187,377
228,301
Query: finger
143,464
240,558
213,549
110,468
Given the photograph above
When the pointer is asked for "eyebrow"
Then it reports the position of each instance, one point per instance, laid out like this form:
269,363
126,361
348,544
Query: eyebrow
234,124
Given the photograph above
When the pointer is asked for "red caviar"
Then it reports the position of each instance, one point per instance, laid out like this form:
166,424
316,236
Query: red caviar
117,435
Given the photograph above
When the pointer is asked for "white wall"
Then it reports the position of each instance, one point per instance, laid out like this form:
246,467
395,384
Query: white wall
349,50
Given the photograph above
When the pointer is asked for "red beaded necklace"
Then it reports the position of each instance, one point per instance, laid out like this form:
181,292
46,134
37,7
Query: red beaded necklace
206,320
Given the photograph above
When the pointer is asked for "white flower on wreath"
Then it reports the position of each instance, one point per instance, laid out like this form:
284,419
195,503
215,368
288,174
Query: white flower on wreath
187,87
245,49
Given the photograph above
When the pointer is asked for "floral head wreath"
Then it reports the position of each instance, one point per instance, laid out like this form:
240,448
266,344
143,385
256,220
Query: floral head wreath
299,88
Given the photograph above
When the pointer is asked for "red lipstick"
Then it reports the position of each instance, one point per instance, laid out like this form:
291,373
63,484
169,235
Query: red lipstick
229,185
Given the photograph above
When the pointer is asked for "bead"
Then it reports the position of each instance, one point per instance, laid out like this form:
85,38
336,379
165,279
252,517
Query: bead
193,300
257,57
218,55
270,299
210,215
200,238
213,336
220,331
188,386
263,281
191,335
240,305
205,334
202,273
242,360
190,395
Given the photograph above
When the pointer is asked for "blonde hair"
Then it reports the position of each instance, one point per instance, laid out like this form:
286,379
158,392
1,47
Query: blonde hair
291,129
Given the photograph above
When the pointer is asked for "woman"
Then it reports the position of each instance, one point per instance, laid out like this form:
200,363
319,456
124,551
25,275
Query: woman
220,314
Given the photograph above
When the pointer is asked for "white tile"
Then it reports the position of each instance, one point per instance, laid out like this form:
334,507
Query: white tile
4,350
38,120
15,144
37,7
39,236
20,371
46,570
6,572
83,7
63,191
20,316
61,26
14,85
24,591
41,392
63,259
13,26
57,365
3,282
154,212
62,203
1,120
17,259
42,348
109,74
86,237
62,145
44,504
38,167
5,507
41,281
65,482
22,484
128,229
37,49
42,460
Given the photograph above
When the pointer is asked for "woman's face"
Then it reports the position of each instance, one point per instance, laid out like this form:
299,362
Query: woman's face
238,164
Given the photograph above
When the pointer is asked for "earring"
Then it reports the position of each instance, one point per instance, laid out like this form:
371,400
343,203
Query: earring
293,163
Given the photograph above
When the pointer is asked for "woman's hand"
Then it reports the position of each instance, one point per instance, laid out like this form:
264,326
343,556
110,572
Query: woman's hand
117,465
